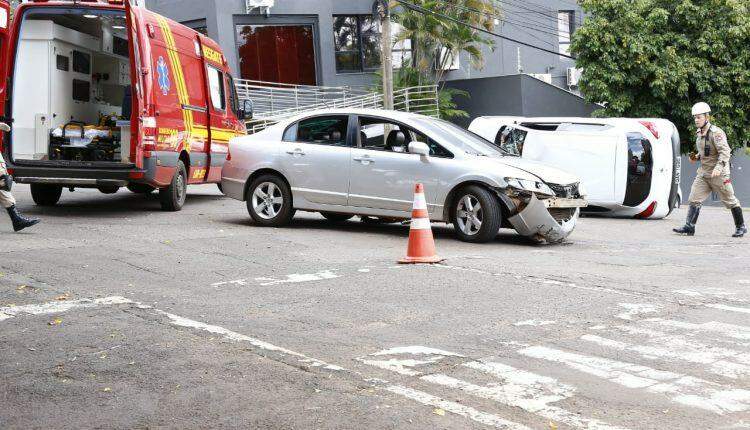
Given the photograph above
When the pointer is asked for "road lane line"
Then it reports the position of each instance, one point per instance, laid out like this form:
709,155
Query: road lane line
456,408
59,306
730,308
634,309
677,348
534,323
509,386
729,330
179,321
686,390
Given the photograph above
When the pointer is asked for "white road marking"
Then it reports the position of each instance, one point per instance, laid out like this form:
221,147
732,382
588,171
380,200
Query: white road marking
523,390
689,293
729,308
456,408
634,309
405,366
416,350
533,323
686,390
59,306
678,348
729,330
297,278
510,386
237,337
176,320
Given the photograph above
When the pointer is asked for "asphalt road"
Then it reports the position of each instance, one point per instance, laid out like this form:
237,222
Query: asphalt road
114,314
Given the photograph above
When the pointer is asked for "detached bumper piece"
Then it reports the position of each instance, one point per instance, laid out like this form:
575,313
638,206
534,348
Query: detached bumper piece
537,222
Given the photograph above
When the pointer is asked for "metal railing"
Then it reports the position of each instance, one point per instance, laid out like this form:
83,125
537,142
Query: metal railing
422,100
274,102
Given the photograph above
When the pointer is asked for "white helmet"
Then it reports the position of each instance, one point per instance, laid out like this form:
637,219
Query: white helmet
701,108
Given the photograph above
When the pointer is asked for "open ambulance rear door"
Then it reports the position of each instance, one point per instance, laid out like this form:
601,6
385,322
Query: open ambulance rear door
142,117
4,60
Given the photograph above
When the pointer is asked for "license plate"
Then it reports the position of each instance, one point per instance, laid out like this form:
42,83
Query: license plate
565,203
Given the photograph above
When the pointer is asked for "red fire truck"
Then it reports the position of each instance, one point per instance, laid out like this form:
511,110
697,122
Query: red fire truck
106,94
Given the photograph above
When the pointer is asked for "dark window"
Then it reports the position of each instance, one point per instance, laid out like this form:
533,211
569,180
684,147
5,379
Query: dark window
511,140
640,170
81,62
323,130
120,46
356,40
63,63
382,135
81,90
277,53
234,103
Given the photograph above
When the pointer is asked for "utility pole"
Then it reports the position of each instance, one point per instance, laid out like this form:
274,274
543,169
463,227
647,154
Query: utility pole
381,11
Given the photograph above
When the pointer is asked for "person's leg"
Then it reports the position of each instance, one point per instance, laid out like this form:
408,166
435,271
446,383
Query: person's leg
8,202
723,186
699,192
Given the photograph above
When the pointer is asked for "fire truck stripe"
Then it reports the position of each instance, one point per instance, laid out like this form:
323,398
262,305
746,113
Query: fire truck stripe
181,88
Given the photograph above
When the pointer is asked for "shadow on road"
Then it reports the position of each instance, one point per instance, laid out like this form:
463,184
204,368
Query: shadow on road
439,231
117,205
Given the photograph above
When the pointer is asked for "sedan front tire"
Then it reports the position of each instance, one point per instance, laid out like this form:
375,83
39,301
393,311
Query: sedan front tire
477,214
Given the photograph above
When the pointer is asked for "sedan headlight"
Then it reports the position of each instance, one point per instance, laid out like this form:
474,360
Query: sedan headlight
531,186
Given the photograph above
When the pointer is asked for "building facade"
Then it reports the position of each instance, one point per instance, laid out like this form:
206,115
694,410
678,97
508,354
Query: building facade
336,43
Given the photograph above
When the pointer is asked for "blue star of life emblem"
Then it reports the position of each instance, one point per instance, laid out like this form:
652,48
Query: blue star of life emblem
163,71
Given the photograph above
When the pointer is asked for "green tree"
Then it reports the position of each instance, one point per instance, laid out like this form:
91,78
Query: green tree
655,58
430,35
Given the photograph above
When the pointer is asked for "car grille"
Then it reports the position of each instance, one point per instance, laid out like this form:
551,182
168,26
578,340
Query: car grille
566,191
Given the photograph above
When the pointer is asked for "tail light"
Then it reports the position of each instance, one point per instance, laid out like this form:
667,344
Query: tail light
651,127
648,212
229,155
149,135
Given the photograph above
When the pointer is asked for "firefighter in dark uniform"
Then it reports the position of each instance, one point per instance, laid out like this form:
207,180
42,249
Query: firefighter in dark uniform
713,152
6,198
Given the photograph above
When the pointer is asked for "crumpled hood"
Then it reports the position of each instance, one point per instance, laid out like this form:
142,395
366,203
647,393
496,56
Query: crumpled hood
546,173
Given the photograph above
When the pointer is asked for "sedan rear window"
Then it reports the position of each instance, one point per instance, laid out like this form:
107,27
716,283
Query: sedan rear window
322,130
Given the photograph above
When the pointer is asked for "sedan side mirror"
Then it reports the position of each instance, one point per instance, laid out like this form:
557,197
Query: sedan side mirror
246,112
4,127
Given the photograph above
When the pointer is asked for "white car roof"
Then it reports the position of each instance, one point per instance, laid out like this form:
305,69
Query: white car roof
392,114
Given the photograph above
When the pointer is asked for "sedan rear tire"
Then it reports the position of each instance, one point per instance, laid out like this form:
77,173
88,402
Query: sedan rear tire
269,201
477,215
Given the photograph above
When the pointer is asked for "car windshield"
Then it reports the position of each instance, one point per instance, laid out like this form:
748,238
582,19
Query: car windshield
461,138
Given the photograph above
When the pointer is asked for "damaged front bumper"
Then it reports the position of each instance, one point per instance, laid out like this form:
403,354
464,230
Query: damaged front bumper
535,219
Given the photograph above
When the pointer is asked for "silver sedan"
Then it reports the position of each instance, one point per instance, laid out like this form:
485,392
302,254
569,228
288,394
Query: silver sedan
343,163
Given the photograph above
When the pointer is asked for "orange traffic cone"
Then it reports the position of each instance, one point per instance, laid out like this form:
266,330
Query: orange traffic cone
421,243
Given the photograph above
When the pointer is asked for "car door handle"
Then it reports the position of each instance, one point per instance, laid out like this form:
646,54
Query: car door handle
295,152
365,160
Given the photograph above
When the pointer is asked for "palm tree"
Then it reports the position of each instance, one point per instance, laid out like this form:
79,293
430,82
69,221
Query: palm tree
432,35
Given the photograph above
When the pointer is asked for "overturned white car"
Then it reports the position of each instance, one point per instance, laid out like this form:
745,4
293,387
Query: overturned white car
344,163
630,167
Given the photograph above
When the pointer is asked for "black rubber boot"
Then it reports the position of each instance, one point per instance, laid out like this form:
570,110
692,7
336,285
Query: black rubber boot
692,219
739,222
19,222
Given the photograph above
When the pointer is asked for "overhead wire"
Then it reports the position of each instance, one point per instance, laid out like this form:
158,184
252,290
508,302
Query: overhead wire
423,10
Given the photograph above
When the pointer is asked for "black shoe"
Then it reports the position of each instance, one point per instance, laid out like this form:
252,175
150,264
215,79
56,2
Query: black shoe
692,219
19,222
739,222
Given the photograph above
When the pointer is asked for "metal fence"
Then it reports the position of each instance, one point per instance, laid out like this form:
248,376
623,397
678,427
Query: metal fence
274,102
